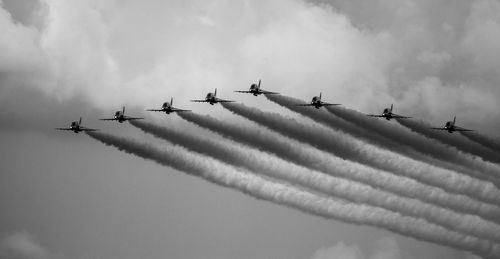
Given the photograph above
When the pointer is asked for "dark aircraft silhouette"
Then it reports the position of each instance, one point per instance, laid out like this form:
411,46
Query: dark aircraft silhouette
317,103
450,126
76,127
212,99
120,117
388,114
255,90
168,108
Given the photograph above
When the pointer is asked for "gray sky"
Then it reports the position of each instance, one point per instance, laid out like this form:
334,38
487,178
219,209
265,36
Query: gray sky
65,195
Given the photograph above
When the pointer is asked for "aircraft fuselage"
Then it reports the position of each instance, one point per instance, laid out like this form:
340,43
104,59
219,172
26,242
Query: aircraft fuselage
449,127
75,127
316,102
387,116
254,89
211,98
167,108
119,117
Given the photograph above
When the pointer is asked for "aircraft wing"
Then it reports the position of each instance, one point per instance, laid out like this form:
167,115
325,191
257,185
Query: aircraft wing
87,129
375,115
267,92
461,129
199,101
108,119
223,101
305,104
247,92
439,128
154,110
63,129
330,104
396,116
179,110
132,118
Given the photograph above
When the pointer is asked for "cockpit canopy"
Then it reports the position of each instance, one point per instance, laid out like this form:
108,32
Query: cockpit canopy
448,124
253,87
117,113
387,110
74,123
165,105
315,99
209,95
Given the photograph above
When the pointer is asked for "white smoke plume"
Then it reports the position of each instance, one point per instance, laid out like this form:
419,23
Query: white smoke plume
310,157
349,148
267,164
387,139
255,186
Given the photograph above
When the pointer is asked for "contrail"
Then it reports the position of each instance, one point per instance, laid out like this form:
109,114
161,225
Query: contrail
403,142
260,188
492,143
359,193
347,147
455,140
310,157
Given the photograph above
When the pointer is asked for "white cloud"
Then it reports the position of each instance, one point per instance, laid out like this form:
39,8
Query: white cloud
365,55
23,245
385,248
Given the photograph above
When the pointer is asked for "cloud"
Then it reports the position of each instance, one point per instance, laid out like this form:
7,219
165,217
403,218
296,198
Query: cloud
23,245
385,248
341,251
431,58
442,58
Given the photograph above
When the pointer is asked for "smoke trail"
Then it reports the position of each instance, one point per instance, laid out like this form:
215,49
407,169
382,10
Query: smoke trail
455,140
292,197
416,141
352,191
310,157
492,143
322,116
372,131
346,147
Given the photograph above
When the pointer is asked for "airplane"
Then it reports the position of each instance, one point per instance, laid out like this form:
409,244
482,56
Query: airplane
255,90
317,103
76,127
212,99
450,126
388,114
168,108
120,117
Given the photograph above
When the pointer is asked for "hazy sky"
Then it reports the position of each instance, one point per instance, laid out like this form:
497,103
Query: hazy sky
67,196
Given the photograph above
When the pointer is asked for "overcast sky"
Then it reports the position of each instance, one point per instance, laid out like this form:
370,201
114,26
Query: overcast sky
67,196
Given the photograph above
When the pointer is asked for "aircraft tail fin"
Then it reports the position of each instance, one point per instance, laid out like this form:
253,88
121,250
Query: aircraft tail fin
392,106
123,110
215,92
259,83
320,96
454,119
80,121
171,101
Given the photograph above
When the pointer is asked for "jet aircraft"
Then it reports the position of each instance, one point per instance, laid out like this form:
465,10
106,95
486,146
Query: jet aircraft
450,126
388,114
120,117
76,127
168,108
256,90
212,99
317,103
